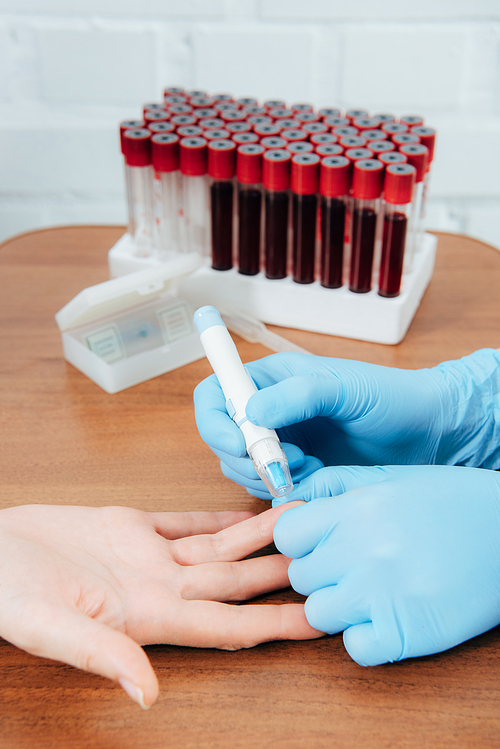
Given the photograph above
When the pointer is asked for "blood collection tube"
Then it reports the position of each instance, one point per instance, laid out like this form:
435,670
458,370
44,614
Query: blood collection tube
276,182
314,128
273,103
293,135
247,101
161,127
392,157
167,191
129,125
381,118
189,131
412,120
288,123
304,117
193,162
281,113
273,142
302,107
365,123
334,184
223,97
405,139
353,114
249,174
174,90
336,121
233,115
266,129
204,113
367,184
238,127
321,139
398,189
392,128
196,93
221,171
328,149
259,119
139,188
202,102
175,99
183,120
210,123
345,131
218,133
375,134
251,111
427,137
156,115
155,106
301,146
352,141
243,138
225,106
329,112
179,108
304,183
380,146
417,155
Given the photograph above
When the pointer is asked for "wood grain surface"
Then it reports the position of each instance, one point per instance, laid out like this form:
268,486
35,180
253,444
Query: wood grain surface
65,441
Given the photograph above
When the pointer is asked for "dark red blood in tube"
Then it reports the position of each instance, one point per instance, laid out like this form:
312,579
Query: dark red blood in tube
368,175
393,249
221,167
305,182
276,181
249,170
334,185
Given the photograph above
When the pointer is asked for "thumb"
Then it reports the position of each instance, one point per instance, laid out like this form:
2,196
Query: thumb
60,633
367,649
332,481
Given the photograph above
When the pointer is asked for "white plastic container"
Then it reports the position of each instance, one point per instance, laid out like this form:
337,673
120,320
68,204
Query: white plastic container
127,330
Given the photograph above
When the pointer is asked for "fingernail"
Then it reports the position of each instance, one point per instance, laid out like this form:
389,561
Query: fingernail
135,693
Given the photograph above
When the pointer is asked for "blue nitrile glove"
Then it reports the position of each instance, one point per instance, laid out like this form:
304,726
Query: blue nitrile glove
351,413
406,567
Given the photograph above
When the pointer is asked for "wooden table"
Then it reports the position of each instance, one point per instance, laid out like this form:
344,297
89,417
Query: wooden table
65,441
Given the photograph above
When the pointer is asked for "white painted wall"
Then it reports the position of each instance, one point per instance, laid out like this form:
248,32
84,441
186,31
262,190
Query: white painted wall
70,70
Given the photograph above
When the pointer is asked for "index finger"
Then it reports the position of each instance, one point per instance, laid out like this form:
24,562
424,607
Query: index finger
230,544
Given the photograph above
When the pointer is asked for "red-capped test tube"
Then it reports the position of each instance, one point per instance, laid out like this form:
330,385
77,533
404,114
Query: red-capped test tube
276,181
221,171
249,174
334,184
129,125
398,190
427,137
195,203
417,155
139,188
367,184
167,191
305,183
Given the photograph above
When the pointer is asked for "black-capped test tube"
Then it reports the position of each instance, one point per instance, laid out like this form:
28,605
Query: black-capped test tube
249,174
276,182
304,183
334,184
221,172
367,184
398,189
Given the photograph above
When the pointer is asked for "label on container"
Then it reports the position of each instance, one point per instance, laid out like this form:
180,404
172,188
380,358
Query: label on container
176,321
106,343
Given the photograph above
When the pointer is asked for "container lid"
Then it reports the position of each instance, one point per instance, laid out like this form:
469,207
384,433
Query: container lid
129,125
193,156
203,112
259,119
267,128
302,107
365,123
288,123
412,120
303,117
238,127
242,138
156,115
353,141
391,128
279,113
399,181
210,123
234,115
335,176
249,163
273,142
320,139
291,135
374,134
165,152
137,147
190,131
276,170
380,146
314,127
344,131
353,114
219,133
329,149
356,154
427,137
418,156
305,173
329,112
161,127
222,159
336,121
404,139
301,146
271,103
368,179
392,157
130,290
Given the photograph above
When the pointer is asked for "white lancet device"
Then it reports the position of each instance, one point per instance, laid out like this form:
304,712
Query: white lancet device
263,445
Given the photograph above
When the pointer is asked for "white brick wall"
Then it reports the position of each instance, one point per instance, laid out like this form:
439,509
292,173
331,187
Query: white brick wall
70,70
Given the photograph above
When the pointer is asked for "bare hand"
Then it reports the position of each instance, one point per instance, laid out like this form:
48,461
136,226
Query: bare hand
88,586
